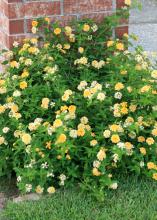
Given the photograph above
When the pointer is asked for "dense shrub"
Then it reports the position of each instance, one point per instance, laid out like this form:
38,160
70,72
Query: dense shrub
77,107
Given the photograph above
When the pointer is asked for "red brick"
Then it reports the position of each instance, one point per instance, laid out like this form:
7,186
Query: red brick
120,3
11,1
99,17
124,21
16,10
86,6
120,31
16,26
35,9
63,19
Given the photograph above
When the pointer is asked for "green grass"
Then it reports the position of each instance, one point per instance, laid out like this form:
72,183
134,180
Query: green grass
136,199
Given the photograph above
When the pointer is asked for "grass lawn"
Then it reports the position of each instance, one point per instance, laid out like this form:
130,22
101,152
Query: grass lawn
135,199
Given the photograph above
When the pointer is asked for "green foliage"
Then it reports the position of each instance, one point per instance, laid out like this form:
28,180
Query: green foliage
76,108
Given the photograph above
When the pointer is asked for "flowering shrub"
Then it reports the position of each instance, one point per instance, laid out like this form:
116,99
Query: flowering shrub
77,107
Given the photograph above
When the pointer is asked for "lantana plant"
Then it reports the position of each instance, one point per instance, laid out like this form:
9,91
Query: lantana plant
77,107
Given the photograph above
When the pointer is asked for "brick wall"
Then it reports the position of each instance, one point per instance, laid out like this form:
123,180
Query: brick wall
16,15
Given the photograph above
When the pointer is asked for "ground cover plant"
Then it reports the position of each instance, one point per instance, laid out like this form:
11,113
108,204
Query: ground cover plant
77,108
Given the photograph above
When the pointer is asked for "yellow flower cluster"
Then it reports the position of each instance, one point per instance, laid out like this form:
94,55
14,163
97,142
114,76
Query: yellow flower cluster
67,95
92,127
95,90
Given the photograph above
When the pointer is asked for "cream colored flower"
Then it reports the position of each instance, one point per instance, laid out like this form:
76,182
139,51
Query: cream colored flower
107,133
2,140
39,189
101,155
84,120
51,190
101,96
26,138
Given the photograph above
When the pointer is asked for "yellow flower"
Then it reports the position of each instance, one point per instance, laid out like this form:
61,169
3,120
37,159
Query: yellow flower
14,64
128,145
26,139
150,165
2,82
96,172
119,86
145,89
9,99
2,140
143,150
33,50
66,46
125,35
150,141
48,145
34,40
64,108
68,30
57,123
114,127
14,108
2,109
80,49
81,126
86,27
45,103
57,31
61,139
39,189
154,132
72,109
141,139
154,176
93,143
47,20
59,157
24,74
65,97
68,157
123,72
129,88
87,93
133,108
51,190
46,45
101,155
154,74
81,132
138,67
120,46
84,120
110,43
23,85
34,23
115,138
128,2
124,110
